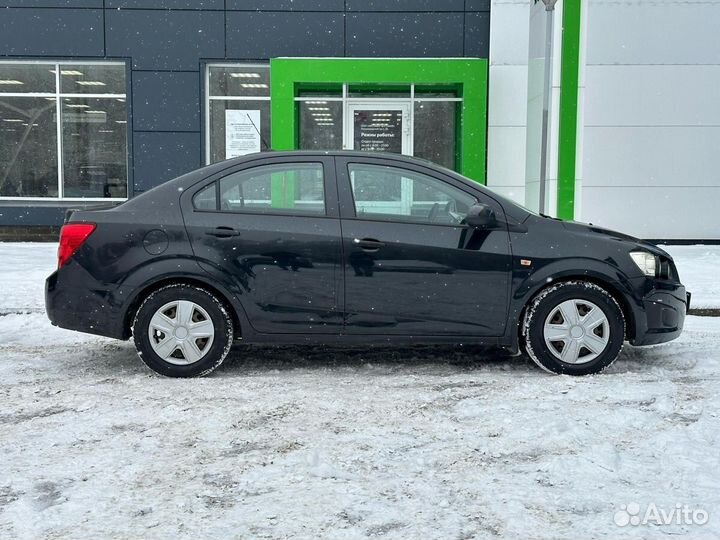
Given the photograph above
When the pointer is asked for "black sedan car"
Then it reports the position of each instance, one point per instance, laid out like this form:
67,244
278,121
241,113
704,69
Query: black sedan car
354,248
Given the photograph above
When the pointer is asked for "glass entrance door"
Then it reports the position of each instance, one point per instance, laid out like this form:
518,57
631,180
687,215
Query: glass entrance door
378,127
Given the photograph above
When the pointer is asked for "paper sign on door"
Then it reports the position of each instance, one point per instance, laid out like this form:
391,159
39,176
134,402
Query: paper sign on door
242,133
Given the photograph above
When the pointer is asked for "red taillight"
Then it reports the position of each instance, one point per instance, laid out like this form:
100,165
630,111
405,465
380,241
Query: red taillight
72,237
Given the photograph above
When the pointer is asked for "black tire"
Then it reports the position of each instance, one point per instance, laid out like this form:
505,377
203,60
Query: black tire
548,302
217,349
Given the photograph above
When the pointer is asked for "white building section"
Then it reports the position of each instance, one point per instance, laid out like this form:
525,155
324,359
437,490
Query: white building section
507,97
648,120
652,118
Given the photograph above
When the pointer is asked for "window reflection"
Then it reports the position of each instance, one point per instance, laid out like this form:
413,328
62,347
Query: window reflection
28,149
94,135
321,125
92,79
394,194
93,130
25,78
294,188
436,132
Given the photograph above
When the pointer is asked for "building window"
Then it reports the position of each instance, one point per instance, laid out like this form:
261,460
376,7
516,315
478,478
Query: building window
81,156
414,120
238,110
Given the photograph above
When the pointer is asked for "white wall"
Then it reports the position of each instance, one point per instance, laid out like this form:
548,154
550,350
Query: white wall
507,107
651,152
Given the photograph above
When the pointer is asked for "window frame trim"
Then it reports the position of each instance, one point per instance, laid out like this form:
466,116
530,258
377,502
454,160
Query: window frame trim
58,96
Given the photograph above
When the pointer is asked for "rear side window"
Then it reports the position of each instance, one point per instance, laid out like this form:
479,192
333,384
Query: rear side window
206,199
288,188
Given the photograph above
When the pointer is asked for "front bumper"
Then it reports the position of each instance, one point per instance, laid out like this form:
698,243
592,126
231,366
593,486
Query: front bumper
660,313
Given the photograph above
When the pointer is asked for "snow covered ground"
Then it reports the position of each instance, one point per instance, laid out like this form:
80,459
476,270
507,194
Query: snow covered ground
425,443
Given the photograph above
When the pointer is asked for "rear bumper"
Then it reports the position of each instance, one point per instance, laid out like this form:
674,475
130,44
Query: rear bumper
661,314
75,301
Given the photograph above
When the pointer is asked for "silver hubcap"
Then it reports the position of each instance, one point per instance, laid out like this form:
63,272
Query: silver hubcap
181,332
576,331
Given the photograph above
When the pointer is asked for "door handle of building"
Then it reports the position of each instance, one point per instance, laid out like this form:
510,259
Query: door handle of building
368,244
223,232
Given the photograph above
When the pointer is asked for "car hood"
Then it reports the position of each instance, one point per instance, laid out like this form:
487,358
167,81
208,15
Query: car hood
589,229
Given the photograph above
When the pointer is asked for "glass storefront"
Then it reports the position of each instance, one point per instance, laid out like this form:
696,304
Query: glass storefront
399,120
404,119
428,120
85,156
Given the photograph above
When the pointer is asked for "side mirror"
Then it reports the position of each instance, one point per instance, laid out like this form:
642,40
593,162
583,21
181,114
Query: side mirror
481,216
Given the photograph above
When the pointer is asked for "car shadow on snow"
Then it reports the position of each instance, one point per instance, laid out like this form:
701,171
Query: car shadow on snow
114,360
459,357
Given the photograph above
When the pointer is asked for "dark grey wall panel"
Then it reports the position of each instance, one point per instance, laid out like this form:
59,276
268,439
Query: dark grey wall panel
287,5
165,39
405,34
160,157
166,4
165,101
52,3
477,34
477,5
266,35
405,5
58,32
26,216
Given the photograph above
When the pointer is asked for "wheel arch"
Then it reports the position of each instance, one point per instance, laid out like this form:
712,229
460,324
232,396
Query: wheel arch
602,281
147,289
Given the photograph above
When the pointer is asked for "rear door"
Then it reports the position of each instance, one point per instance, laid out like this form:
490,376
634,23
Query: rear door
411,266
270,227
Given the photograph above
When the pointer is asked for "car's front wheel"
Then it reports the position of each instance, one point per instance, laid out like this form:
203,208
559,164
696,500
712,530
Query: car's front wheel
181,330
574,327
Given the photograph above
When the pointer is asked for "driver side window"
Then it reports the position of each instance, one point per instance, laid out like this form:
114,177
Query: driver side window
394,194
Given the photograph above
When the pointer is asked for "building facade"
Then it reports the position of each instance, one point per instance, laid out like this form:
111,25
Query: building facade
101,100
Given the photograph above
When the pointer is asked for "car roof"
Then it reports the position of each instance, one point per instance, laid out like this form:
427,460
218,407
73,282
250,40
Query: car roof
183,182
208,170
329,153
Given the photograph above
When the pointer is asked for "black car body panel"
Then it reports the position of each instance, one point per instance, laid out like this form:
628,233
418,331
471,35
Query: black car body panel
303,279
456,278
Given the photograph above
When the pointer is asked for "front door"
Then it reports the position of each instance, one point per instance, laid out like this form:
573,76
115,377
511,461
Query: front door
412,267
374,126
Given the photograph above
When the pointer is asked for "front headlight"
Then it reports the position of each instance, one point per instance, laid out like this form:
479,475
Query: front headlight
646,262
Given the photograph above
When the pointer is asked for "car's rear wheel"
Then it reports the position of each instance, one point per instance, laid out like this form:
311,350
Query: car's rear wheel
574,327
181,330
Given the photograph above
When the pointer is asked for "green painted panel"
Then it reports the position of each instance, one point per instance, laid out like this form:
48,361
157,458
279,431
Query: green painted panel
282,189
569,87
288,75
